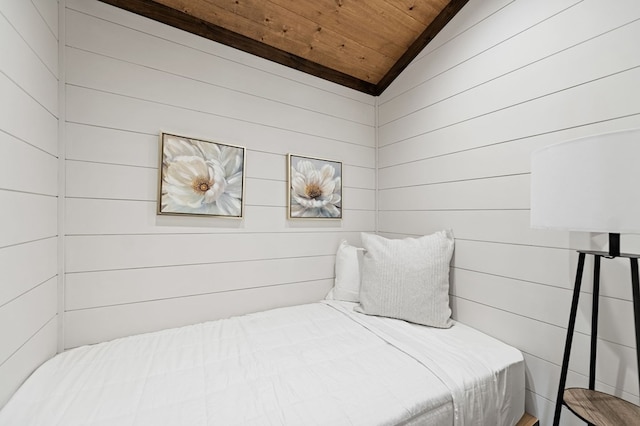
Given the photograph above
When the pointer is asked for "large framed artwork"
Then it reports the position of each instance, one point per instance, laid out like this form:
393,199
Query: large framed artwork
314,188
199,177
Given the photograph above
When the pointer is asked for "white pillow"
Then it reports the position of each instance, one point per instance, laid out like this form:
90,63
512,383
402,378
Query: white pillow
348,273
407,278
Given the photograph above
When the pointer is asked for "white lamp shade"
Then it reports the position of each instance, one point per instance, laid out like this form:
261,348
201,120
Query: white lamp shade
590,184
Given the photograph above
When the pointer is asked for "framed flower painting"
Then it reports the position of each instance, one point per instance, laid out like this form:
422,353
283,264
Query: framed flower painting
199,177
315,188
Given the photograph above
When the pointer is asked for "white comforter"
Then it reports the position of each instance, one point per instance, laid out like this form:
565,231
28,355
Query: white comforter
316,364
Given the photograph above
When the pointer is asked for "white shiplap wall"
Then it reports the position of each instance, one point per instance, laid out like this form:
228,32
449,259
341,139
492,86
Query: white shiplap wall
130,271
28,188
456,133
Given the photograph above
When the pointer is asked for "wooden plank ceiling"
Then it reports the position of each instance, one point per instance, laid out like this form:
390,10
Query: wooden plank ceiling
361,44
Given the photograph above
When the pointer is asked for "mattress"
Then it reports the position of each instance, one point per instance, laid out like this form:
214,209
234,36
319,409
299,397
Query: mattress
314,364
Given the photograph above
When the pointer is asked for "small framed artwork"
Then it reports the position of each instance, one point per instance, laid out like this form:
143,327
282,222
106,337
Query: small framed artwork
200,178
314,188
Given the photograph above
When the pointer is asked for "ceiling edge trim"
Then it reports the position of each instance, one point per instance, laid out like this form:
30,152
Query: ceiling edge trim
420,43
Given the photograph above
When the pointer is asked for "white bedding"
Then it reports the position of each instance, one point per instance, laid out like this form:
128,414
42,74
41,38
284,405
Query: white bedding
316,364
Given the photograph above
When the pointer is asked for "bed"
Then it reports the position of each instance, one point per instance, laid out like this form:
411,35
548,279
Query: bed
314,364
323,363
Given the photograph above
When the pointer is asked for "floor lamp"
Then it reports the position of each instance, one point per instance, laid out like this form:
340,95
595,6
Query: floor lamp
591,184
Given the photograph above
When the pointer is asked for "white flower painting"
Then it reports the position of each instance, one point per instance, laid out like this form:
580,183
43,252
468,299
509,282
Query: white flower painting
315,188
198,177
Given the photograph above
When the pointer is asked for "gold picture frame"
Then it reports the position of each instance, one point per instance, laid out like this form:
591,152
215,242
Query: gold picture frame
314,188
198,177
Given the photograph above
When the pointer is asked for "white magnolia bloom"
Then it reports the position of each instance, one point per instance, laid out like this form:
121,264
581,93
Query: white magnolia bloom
315,193
201,178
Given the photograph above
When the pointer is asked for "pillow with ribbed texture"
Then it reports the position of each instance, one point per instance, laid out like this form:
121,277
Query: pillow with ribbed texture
407,278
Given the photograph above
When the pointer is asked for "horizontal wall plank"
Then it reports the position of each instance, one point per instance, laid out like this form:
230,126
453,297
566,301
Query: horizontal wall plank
26,168
231,65
15,370
94,216
32,217
49,12
24,266
93,180
430,147
97,253
120,112
551,266
17,118
23,317
106,74
26,69
482,163
260,192
101,324
501,226
112,146
24,16
95,289
509,192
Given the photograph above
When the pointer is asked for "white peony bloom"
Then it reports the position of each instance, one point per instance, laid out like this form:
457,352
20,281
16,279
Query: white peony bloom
201,178
315,193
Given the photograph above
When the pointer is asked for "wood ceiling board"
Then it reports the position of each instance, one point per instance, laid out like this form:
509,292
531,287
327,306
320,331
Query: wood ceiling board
421,11
268,22
351,24
348,42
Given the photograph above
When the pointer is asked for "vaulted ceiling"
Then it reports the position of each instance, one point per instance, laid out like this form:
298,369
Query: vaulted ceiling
361,44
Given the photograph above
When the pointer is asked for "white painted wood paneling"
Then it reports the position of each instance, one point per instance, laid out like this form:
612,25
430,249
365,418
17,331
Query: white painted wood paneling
29,217
17,118
456,132
121,217
25,315
31,26
25,266
509,59
502,192
123,78
28,189
34,352
48,9
106,252
96,289
26,168
26,69
101,324
102,109
127,80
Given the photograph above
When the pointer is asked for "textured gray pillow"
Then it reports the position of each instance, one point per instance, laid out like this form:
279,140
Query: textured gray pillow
407,278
